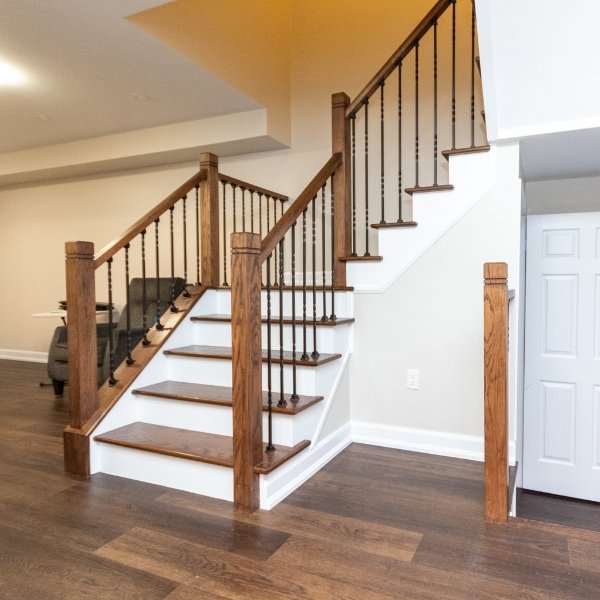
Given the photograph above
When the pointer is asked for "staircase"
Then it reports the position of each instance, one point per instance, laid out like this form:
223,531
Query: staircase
234,393
174,426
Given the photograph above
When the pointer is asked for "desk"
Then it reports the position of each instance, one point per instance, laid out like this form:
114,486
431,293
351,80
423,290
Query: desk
101,315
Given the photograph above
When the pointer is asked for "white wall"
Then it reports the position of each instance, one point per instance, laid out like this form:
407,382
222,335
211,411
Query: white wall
580,194
538,65
431,319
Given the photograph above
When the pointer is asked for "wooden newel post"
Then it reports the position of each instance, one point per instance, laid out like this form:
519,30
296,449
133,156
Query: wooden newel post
340,128
82,353
209,219
495,334
247,368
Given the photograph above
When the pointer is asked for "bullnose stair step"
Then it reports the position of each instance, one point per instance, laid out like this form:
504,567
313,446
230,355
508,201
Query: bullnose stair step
224,352
223,318
192,445
361,258
394,224
467,150
446,187
220,395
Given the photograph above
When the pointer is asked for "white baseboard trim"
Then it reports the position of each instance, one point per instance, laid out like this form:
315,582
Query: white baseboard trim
281,483
23,355
423,440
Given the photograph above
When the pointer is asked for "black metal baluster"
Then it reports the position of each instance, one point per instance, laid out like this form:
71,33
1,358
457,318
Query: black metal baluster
129,360
233,187
145,340
333,257
252,211
276,251
260,228
186,293
400,142
353,123
304,345
197,237
282,401
453,74
158,324
366,103
323,246
243,209
270,446
172,306
111,348
225,284
435,104
417,114
382,140
314,354
295,396
472,74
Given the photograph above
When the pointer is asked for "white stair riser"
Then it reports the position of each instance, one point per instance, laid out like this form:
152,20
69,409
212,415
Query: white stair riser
287,429
329,339
343,303
181,474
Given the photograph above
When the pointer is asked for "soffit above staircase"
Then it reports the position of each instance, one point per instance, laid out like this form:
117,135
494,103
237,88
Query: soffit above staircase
91,75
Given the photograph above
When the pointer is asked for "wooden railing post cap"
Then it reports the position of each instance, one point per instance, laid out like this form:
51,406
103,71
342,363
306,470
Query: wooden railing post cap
208,159
245,243
494,271
340,99
79,249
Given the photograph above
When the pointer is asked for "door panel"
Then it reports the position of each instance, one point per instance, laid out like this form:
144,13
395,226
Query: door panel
561,430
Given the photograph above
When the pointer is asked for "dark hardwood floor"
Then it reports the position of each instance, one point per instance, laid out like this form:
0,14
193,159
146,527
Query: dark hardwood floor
375,524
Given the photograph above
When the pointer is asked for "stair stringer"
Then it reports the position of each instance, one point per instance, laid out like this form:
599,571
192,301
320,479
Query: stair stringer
213,480
472,175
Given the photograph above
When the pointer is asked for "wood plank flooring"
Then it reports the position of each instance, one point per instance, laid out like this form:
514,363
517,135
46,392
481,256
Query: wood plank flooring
374,524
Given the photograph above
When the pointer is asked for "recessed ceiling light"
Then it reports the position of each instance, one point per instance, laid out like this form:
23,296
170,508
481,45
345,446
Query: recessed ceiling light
10,74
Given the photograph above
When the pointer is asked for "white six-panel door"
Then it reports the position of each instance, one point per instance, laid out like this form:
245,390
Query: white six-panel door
561,432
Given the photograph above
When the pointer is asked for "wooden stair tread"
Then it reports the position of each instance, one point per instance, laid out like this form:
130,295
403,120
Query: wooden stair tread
394,224
370,258
224,318
220,395
224,352
467,150
191,445
288,288
429,188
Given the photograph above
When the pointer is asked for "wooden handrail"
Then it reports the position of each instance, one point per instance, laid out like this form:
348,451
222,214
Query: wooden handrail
252,188
141,224
295,210
495,333
420,30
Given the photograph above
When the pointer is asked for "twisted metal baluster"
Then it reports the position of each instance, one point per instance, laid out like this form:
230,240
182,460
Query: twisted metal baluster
225,284
472,74
294,396
435,103
304,322
172,306
366,103
333,257
417,114
197,238
243,209
129,360
353,123
323,244
158,324
270,446
314,354
382,150
282,401
453,74
186,293
276,251
111,348
145,340
400,142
